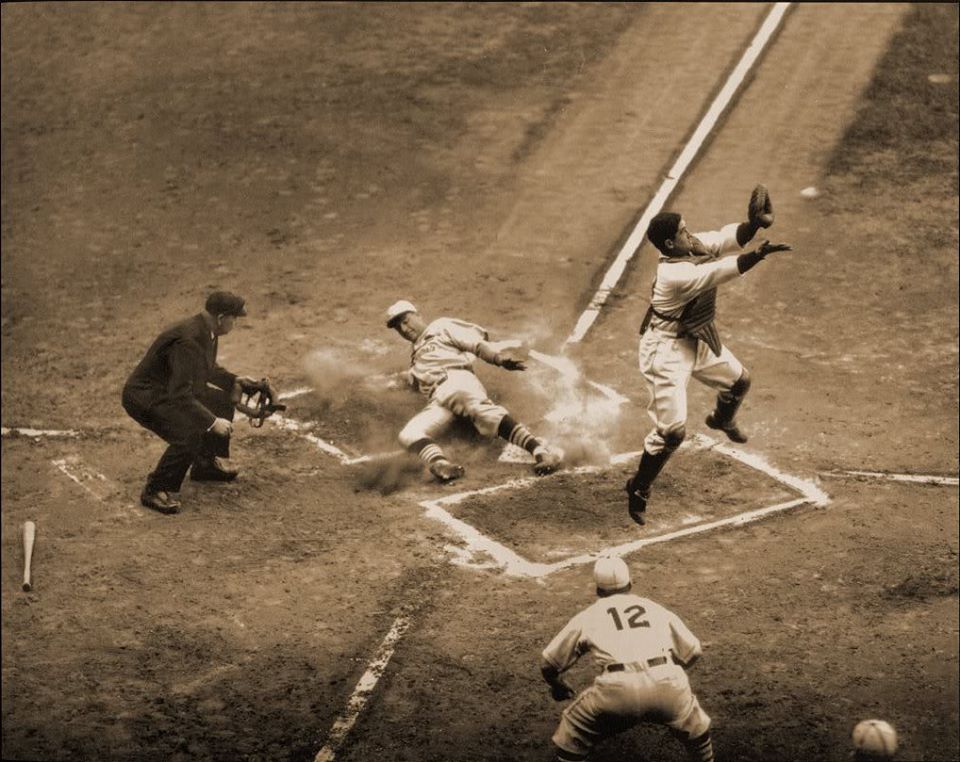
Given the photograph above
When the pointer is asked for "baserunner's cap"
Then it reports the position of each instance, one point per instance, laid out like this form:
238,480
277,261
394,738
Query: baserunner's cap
398,310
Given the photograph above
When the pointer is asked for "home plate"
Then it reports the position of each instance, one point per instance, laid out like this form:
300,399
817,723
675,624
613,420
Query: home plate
514,454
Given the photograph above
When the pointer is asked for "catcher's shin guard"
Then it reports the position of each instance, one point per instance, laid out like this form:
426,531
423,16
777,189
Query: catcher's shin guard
638,487
728,403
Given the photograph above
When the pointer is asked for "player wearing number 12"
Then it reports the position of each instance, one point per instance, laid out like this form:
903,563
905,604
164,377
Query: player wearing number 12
643,650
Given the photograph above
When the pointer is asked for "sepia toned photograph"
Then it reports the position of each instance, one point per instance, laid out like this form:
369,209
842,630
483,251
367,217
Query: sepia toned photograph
480,381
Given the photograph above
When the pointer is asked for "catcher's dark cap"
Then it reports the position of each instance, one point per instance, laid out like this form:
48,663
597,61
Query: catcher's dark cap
662,228
225,303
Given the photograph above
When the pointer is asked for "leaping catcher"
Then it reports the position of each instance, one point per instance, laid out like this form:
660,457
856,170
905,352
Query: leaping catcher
679,338
441,369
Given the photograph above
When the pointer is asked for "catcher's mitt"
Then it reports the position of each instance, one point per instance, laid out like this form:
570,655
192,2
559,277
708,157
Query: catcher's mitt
760,208
257,400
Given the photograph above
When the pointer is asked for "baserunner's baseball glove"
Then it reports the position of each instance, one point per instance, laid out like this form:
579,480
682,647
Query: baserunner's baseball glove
760,208
257,400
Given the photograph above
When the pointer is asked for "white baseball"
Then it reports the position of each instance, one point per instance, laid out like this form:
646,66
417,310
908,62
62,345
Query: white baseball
876,738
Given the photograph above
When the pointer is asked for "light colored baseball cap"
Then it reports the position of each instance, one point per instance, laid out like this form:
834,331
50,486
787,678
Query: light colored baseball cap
397,310
611,573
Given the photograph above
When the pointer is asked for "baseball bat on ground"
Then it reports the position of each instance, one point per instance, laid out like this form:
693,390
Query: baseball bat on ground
29,533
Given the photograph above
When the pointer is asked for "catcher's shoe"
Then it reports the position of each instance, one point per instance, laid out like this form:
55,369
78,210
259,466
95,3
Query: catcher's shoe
211,470
159,501
548,461
445,471
637,502
730,429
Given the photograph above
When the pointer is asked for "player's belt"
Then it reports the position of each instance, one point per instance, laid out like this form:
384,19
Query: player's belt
636,666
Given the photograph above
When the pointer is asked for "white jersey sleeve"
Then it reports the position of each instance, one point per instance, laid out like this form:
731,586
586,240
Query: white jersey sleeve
464,336
567,646
680,281
686,645
722,241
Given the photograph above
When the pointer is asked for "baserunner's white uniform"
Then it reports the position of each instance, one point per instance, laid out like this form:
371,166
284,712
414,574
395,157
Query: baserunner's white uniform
441,368
667,359
633,640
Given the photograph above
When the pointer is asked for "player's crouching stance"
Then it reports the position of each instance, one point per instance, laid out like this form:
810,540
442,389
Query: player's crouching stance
643,650
679,338
441,368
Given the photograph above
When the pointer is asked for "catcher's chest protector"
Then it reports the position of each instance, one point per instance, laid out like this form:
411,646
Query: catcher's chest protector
697,319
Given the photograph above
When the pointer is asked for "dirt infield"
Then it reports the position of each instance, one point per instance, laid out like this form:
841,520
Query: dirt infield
484,161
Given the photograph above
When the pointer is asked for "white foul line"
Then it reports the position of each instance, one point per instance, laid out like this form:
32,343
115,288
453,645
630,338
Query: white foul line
291,425
951,481
361,693
707,123
36,433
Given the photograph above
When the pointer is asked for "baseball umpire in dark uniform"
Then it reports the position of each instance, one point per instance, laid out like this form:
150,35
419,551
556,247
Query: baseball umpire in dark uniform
180,393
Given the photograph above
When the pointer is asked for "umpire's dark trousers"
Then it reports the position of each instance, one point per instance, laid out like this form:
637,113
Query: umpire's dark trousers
184,448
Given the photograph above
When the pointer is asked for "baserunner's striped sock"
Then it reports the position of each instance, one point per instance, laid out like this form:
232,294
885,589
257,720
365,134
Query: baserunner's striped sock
517,434
700,749
427,450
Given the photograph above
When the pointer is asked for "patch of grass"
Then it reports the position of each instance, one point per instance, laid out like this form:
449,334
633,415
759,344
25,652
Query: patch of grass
907,125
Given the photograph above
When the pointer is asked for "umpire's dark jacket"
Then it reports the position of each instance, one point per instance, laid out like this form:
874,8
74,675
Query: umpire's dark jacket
167,387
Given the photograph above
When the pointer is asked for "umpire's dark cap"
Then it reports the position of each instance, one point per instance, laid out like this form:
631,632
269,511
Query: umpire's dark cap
225,303
663,227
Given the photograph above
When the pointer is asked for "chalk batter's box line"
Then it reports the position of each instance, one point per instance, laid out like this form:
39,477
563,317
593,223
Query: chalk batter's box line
514,564
945,481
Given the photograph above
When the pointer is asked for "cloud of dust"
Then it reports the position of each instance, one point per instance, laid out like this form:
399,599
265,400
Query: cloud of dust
337,374
389,474
355,389
584,418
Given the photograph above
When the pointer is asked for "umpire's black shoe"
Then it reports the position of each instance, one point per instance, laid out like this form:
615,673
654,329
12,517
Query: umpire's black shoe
211,470
637,502
160,501
730,429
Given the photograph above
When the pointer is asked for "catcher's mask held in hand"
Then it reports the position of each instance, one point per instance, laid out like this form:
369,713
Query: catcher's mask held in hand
258,402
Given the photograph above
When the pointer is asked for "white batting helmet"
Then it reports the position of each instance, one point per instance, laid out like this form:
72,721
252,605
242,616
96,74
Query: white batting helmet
611,573
398,310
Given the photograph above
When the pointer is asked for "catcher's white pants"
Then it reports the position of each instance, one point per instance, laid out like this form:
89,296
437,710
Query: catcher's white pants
460,394
667,363
619,700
